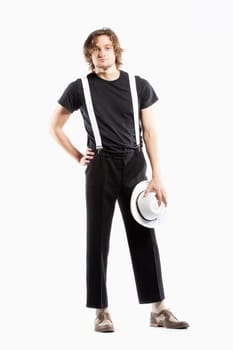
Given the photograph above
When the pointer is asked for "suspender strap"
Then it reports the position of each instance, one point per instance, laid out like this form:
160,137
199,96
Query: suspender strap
133,89
91,113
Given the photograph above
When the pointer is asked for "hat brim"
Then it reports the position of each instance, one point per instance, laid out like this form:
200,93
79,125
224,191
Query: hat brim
140,187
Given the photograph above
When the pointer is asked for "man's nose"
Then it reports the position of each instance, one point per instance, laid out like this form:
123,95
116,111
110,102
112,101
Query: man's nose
101,52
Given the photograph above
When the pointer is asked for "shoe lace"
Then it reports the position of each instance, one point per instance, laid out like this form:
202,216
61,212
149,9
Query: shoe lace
168,313
104,316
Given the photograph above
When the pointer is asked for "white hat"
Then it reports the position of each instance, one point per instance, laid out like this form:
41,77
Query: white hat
145,209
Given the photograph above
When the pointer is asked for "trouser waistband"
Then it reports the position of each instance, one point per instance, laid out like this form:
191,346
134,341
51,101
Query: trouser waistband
117,154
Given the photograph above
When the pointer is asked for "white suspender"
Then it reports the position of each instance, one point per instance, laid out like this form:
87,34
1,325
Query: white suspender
91,113
133,89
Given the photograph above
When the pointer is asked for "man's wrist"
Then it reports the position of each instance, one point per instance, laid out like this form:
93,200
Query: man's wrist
78,156
155,175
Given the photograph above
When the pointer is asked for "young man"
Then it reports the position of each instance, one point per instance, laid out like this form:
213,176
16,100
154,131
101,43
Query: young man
115,164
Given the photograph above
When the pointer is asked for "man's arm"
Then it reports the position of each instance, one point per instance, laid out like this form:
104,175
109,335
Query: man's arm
151,143
60,117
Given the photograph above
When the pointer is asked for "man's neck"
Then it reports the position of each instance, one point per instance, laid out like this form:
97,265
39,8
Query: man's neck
109,74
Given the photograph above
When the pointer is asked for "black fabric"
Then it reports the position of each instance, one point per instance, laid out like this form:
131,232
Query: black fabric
112,106
110,178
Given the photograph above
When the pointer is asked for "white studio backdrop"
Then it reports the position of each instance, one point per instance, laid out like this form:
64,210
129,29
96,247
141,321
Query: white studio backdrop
184,48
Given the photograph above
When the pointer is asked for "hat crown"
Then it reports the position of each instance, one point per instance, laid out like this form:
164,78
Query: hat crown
148,206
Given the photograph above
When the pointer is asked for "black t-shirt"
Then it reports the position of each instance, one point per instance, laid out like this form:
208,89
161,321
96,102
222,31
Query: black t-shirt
113,108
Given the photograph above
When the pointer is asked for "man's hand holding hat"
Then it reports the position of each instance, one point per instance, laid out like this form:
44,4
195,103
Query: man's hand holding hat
156,186
145,207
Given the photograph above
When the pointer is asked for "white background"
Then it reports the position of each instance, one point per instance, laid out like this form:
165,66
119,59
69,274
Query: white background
184,48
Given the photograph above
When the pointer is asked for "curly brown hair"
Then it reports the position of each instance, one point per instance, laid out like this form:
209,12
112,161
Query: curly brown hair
89,45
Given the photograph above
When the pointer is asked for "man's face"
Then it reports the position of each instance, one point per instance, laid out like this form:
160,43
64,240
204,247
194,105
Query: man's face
103,55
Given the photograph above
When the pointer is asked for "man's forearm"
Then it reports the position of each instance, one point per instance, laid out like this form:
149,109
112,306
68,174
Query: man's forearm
64,141
150,139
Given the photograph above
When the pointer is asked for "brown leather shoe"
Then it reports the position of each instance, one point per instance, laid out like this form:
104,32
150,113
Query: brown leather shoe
103,322
166,319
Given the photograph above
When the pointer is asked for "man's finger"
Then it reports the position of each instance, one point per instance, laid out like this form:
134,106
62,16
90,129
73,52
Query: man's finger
159,197
147,190
164,199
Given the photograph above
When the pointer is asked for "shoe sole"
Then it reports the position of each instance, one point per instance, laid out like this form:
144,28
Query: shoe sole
106,329
155,325
160,325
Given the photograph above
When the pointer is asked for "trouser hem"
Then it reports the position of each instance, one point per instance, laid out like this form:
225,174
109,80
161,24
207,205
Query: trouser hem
96,306
150,301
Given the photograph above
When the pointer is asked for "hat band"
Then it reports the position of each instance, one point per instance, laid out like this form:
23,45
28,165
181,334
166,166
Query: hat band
139,211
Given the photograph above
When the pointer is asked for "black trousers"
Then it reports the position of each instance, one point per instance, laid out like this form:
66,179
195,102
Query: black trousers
111,177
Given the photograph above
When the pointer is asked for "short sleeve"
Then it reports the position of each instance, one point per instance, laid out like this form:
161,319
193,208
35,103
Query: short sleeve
70,97
147,95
